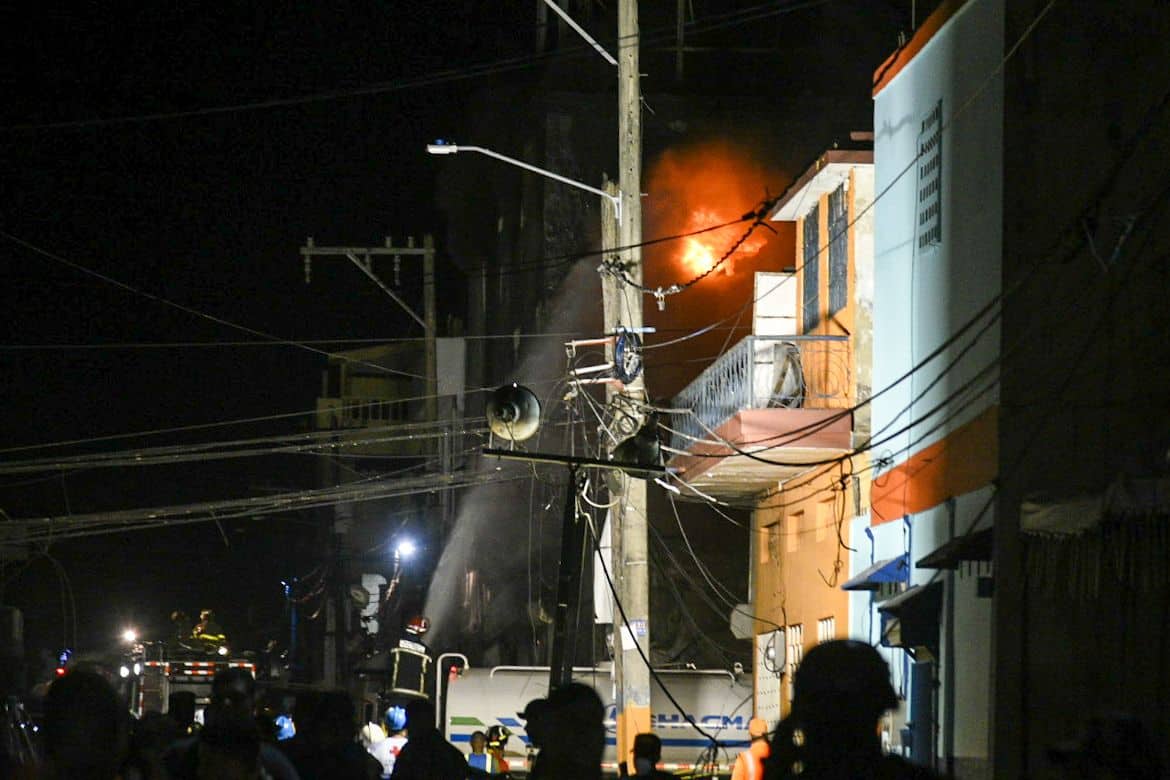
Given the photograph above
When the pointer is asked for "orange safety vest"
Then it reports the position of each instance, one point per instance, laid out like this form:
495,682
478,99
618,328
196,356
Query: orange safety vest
749,765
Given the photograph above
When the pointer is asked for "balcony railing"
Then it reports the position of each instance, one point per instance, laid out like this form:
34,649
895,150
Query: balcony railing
353,412
766,372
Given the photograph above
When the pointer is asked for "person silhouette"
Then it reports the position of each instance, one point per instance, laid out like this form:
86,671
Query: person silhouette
841,690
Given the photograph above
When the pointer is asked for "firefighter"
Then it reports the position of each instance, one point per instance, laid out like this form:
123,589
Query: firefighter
497,739
208,629
749,765
410,659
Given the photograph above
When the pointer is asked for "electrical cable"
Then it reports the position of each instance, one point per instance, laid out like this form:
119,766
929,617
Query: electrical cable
288,438
699,633
236,421
385,340
733,598
661,293
97,529
134,460
695,27
641,653
196,312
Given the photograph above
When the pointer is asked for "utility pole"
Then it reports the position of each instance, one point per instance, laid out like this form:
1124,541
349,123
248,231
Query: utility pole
630,521
334,661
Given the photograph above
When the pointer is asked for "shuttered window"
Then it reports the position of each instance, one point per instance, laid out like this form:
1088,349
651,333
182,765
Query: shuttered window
812,269
838,249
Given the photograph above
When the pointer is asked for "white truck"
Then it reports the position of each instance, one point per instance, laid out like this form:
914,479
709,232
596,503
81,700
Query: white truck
718,700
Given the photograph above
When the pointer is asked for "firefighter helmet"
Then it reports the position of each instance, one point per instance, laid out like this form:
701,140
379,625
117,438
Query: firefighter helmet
418,625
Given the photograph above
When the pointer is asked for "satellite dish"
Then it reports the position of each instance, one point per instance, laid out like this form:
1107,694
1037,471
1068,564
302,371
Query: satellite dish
513,412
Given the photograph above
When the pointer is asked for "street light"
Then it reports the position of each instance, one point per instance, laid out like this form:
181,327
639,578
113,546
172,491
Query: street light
404,549
442,147
129,636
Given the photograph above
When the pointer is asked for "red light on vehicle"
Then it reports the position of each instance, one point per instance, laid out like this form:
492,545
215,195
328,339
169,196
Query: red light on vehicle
60,671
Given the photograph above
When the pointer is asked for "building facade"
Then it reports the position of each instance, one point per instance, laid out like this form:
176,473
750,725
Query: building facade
776,421
938,116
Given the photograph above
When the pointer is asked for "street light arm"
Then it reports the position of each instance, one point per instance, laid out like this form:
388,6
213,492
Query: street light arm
443,148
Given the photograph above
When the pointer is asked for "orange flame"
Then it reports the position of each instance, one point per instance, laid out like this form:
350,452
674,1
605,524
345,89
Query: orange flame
700,253
699,187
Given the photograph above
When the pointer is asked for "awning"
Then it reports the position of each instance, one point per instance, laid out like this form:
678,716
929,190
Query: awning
911,618
1126,497
889,570
975,546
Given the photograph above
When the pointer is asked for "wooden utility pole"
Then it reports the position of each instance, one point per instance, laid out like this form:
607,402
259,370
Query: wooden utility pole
630,522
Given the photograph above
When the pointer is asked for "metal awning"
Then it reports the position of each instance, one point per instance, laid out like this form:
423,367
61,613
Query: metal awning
911,619
926,597
889,570
975,546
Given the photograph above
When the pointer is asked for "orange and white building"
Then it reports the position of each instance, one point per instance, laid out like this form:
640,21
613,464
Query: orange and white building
776,420
938,150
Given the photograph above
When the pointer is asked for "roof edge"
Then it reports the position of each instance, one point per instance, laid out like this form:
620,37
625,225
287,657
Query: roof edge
902,56
831,157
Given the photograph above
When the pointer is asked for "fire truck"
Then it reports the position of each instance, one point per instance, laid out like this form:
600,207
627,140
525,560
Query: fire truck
155,671
718,700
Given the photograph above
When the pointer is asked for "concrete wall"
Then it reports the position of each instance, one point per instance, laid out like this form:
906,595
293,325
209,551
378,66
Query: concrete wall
1086,134
922,296
969,655
797,548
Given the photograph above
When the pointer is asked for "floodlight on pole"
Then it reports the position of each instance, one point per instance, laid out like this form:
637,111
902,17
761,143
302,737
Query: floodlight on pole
129,636
442,147
404,549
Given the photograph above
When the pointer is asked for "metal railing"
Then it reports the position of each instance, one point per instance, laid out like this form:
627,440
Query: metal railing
763,372
351,412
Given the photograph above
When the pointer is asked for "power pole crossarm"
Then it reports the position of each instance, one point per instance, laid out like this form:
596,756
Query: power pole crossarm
362,257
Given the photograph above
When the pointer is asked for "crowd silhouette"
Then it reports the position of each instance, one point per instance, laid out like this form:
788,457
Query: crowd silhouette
841,691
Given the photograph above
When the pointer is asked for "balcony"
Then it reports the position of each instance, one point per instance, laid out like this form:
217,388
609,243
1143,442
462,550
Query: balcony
784,398
352,416
350,412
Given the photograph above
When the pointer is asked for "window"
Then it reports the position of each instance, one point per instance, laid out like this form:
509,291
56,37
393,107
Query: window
795,641
826,519
930,179
826,629
773,549
811,269
793,531
838,249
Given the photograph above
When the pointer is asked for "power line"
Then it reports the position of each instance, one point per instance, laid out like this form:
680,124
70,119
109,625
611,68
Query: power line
715,22
232,422
662,292
101,523
129,345
335,446
189,310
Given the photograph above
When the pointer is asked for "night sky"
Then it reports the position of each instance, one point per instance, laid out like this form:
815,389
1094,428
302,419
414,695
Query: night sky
207,211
